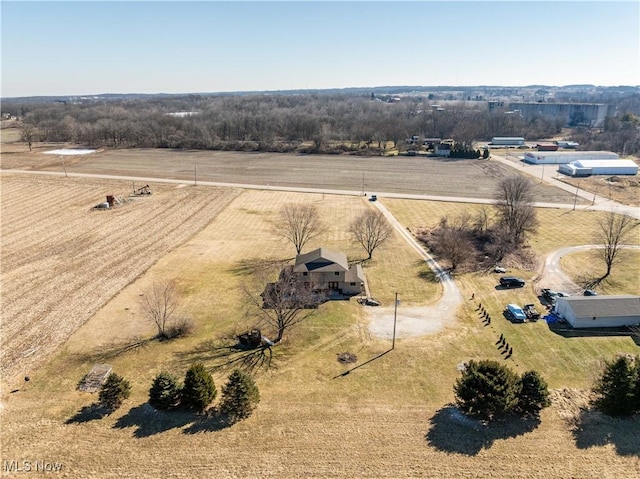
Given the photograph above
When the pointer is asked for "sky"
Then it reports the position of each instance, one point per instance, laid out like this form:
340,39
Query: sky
88,48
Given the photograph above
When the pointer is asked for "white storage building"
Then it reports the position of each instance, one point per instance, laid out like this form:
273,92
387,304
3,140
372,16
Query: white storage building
599,311
507,141
599,167
560,157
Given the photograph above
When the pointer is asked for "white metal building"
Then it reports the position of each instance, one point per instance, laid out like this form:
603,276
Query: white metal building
560,157
599,311
599,167
507,141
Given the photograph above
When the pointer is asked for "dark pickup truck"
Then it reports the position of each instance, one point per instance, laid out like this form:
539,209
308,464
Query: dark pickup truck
531,312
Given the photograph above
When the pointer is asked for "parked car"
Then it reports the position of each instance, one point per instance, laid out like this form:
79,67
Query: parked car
549,295
373,198
499,269
511,282
515,313
589,292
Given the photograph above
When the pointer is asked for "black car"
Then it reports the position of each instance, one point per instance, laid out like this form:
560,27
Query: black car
511,282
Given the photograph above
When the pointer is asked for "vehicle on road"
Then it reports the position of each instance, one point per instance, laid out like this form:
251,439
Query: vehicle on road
515,313
589,292
511,282
373,198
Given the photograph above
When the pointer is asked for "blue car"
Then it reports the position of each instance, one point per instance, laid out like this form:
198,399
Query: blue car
515,313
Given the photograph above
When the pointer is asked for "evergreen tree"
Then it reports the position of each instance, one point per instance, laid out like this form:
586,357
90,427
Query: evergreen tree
113,392
199,389
485,154
487,390
165,391
240,396
636,386
534,394
615,388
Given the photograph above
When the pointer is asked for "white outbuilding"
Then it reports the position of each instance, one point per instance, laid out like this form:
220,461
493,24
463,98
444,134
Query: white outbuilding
599,311
599,167
560,157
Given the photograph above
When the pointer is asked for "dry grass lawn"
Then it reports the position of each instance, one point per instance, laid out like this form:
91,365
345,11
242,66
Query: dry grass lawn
386,418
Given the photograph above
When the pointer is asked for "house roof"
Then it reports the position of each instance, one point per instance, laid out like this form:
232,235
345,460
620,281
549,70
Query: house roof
321,260
355,274
604,306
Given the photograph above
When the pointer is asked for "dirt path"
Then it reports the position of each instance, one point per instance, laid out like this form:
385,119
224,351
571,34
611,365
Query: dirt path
553,277
416,320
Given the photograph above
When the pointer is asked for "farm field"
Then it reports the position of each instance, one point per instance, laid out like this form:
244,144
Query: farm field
62,260
419,176
389,417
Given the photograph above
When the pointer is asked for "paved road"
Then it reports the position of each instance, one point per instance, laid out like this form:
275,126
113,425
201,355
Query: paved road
603,205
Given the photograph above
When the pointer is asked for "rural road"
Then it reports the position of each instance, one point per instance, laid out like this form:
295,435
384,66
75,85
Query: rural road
605,205
415,320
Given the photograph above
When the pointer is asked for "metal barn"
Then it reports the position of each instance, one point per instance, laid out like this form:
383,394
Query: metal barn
599,167
599,311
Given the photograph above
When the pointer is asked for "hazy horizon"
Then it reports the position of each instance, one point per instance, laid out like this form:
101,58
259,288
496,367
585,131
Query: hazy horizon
92,48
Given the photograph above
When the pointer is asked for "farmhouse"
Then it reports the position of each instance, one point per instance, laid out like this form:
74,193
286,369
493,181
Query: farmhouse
599,311
326,270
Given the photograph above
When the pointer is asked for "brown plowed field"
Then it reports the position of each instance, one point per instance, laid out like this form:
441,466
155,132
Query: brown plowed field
62,260
405,175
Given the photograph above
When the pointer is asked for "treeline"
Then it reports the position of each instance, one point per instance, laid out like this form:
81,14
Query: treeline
328,123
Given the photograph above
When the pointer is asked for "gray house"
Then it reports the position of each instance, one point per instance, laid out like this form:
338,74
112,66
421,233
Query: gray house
329,271
599,311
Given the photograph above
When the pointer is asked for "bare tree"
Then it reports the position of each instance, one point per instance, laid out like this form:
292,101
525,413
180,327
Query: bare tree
28,133
160,305
284,303
370,229
299,224
613,230
514,202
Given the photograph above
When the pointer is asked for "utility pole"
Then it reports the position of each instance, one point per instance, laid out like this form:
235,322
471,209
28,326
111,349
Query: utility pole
64,166
195,174
395,317
542,177
575,200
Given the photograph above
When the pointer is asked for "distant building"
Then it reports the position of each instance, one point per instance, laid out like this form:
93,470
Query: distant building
507,141
547,147
560,157
572,114
442,149
599,167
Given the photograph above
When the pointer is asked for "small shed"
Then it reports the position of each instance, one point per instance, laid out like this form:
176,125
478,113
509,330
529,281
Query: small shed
599,311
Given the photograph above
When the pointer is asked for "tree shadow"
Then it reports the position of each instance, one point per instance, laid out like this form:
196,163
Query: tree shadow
594,429
87,414
148,421
226,354
115,349
212,421
249,266
451,431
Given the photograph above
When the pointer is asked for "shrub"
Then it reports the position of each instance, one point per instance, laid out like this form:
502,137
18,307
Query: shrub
616,388
487,390
240,396
113,392
534,394
199,389
165,391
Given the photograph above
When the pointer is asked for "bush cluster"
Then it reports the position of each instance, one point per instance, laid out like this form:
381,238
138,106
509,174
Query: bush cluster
489,390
